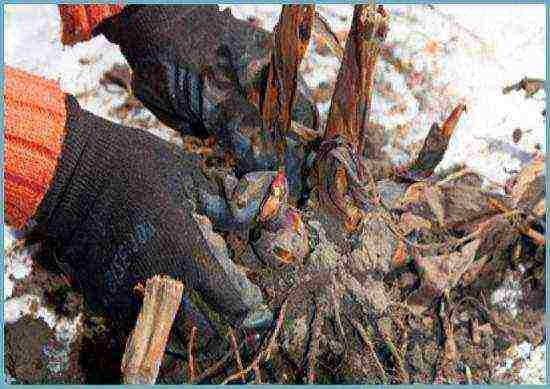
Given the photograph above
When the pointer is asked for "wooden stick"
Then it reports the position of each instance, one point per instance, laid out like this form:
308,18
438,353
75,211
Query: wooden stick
146,344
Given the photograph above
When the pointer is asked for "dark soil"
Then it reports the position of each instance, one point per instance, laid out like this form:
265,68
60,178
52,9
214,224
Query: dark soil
24,344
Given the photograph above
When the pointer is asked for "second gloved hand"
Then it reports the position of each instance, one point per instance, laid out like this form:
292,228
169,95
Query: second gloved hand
185,59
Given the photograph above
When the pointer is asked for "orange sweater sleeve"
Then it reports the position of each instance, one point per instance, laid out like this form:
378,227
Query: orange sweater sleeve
34,131
78,21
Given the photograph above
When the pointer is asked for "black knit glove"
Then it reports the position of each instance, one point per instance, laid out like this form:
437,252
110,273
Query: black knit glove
186,59
122,208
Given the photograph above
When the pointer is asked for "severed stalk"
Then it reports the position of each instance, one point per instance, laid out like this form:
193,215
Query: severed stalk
352,99
435,146
147,342
340,166
292,35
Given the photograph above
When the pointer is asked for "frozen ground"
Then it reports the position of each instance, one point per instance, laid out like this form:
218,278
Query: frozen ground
456,54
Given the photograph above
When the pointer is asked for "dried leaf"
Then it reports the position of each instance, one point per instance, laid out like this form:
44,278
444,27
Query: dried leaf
529,85
444,271
529,185
119,75
451,205
411,222
497,235
434,198
472,273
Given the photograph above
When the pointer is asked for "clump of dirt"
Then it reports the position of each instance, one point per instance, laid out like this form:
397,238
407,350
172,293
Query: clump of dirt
25,342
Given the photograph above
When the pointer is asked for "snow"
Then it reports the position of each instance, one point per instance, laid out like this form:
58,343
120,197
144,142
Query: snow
476,50
531,361
508,295
17,307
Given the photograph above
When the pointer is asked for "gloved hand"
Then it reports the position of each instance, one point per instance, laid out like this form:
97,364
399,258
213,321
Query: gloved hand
121,208
185,59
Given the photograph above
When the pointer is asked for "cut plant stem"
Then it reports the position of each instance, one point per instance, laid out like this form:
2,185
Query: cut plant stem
292,35
435,146
147,342
349,117
351,102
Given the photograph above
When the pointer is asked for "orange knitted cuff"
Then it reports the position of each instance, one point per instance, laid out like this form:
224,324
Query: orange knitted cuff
34,130
79,20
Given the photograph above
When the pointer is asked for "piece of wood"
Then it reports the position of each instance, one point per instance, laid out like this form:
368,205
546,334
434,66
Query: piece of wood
291,39
147,342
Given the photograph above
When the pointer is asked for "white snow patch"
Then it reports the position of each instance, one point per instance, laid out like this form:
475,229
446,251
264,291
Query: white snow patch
17,266
532,363
266,14
17,307
66,330
534,371
10,235
508,295
47,315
